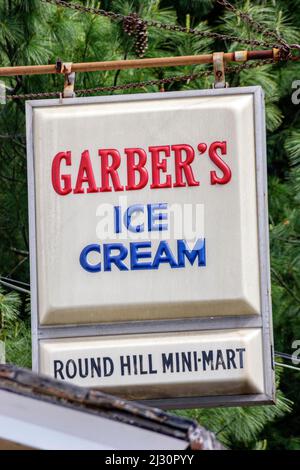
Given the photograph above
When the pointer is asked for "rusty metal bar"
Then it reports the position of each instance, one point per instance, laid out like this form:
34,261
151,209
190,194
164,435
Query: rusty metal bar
139,63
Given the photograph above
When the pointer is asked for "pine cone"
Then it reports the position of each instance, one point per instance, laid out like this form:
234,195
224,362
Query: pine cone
130,23
141,43
135,26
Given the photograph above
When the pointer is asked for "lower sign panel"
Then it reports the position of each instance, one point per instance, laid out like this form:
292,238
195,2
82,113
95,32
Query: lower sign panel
150,366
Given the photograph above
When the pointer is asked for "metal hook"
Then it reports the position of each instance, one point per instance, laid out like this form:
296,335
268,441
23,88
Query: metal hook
219,70
66,69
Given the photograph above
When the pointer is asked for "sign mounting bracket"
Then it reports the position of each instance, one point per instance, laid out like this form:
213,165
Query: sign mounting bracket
219,70
66,69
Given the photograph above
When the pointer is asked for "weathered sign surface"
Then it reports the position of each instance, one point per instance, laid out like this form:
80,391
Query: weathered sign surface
149,244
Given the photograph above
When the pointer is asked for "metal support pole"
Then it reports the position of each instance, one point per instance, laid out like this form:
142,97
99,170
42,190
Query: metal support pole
139,63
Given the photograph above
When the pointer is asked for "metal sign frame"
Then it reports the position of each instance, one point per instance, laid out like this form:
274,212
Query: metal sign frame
263,321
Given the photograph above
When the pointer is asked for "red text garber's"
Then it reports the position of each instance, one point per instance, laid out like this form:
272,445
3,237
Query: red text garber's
139,174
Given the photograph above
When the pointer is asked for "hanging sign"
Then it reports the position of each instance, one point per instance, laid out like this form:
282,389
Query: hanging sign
149,245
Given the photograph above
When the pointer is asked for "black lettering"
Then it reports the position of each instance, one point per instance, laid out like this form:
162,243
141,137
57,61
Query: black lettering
125,364
151,369
142,371
58,367
108,366
177,362
135,364
220,360
186,361
195,356
230,358
70,363
167,362
241,351
207,358
95,367
82,374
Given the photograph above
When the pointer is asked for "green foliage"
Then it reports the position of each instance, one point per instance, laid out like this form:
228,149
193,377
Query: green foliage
18,345
9,308
14,331
34,33
241,427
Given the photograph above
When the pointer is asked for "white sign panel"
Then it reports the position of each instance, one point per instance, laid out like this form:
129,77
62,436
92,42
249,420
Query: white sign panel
148,214
189,364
